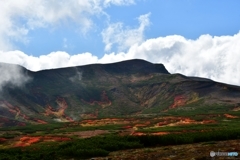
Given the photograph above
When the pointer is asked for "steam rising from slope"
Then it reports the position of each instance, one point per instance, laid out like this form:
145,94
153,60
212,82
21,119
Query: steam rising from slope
77,77
12,75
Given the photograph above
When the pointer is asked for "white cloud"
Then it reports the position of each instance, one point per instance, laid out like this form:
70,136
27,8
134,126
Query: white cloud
12,75
123,38
52,60
211,57
118,2
17,18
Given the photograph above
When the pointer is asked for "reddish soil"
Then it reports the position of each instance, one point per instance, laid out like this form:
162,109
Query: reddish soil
160,133
230,116
41,121
28,140
178,101
155,133
60,111
181,100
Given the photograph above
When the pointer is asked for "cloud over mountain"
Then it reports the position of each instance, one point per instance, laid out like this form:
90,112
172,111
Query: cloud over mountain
211,57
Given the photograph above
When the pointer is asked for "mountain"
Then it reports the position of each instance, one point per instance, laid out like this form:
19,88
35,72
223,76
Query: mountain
128,88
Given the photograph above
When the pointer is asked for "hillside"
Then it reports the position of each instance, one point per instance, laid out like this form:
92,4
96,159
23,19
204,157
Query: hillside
128,88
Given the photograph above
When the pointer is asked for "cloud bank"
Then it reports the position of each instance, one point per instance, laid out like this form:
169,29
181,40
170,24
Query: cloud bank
215,57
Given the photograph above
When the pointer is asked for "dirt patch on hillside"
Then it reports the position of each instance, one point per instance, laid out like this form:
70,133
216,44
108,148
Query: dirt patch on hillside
143,134
60,111
230,116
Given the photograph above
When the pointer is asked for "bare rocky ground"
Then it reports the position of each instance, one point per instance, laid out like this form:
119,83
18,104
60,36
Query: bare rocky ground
197,151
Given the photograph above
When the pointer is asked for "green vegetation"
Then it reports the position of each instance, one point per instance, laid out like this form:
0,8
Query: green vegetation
186,138
81,148
103,145
97,146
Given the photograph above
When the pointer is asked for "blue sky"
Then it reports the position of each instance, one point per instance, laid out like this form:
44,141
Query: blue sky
46,34
189,18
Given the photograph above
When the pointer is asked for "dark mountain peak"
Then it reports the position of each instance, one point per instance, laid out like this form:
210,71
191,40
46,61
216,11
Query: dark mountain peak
128,67
132,62
134,66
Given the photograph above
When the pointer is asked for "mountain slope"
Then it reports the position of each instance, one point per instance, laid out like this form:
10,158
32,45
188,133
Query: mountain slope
125,88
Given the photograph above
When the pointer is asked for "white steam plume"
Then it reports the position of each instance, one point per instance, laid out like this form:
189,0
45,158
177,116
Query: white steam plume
77,77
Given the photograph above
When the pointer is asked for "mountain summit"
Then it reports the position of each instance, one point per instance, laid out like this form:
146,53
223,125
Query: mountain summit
126,88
